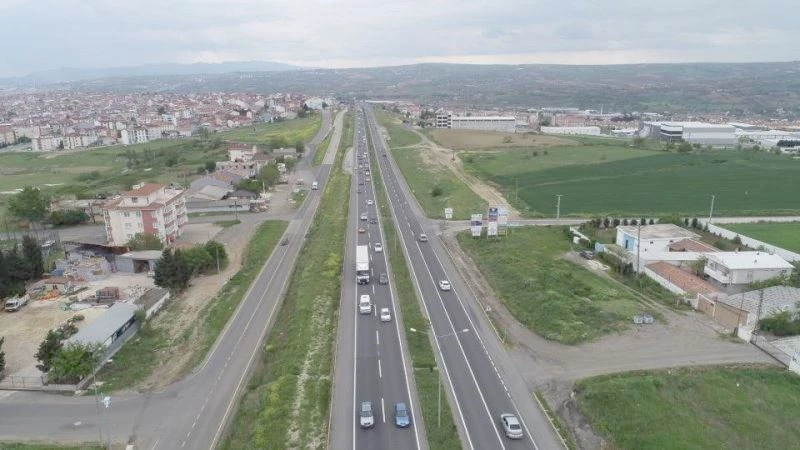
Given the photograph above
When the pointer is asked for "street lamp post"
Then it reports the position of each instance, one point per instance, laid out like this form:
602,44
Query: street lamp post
107,403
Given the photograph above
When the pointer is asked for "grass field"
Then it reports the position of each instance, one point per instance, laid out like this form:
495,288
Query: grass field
782,234
151,346
442,436
552,297
617,180
303,129
287,400
707,408
319,155
399,136
474,139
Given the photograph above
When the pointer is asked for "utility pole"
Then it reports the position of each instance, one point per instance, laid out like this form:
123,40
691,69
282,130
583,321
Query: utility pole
558,205
638,247
758,315
711,210
516,189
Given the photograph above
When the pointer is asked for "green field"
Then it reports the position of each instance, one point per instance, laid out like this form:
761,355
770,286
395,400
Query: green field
296,129
785,235
286,402
699,408
552,297
399,136
617,180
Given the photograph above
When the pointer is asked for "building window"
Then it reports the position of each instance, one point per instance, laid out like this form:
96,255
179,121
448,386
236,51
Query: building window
126,214
134,199
138,214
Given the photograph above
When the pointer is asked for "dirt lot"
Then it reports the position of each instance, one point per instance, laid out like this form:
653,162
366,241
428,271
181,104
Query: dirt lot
683,339
475,139
25,329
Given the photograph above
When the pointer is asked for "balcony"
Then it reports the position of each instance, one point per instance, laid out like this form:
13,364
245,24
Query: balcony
722,276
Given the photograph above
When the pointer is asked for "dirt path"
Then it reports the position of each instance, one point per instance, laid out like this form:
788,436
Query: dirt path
446,157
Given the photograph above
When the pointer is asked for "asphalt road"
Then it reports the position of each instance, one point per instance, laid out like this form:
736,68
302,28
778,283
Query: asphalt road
193,412
481,389
372,363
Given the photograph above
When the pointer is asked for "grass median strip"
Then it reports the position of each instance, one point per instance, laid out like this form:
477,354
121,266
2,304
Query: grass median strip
287,400
441,435
151,346
322,149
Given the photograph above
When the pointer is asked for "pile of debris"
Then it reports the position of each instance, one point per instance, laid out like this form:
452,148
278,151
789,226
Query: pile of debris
82,268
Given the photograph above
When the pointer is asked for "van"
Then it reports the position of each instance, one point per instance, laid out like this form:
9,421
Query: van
15,303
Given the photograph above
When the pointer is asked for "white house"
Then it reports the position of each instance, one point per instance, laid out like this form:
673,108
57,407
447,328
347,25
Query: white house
655,238
148,208
745,267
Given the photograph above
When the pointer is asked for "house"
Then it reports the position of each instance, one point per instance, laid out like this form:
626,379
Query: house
655,238
149,208
691,245
747,308
238,152
745,267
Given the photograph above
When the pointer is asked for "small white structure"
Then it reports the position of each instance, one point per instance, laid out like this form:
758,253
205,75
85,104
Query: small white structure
745,267
655,238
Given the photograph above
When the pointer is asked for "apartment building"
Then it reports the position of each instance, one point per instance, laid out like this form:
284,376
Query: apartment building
149,208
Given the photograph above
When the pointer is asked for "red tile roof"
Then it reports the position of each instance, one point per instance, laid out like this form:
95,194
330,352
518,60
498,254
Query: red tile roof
684,280
145,190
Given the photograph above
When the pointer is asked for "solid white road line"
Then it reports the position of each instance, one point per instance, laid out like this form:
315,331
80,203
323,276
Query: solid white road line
380,372
383,411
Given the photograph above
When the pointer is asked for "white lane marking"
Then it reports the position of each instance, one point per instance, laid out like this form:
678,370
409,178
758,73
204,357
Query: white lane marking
373,289
380,373
383,411
378,337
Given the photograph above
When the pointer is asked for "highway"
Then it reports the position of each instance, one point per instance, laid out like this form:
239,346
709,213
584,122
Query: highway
372,362
482,382
193,412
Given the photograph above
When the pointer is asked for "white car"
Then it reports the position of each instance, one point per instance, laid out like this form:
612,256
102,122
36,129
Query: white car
363,216
370,202
378,247
386,316
364,304
511,426
444,285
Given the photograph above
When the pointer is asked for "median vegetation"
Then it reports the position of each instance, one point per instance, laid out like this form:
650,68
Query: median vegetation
442,435
286,403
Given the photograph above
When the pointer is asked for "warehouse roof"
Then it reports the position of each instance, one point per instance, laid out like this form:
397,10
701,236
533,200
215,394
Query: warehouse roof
106,325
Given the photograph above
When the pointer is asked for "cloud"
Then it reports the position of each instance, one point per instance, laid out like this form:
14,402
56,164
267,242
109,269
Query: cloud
44,34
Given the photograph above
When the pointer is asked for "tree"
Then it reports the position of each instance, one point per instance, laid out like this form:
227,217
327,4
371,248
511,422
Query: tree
299,146
616,222
606,222
278,142
197,260
68,217
166,270
145,241
2,355
270,175
162,110
684,147
182,272
217,251
12,273
695,222
639,142
30,204
324,105
436,191
211,166
74,362
47,350
32,256
698,265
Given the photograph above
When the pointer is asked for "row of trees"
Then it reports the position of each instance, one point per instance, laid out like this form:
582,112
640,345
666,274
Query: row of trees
20,265
176,267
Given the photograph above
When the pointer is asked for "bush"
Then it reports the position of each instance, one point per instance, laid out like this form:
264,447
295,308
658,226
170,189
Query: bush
781,324
737,240
436,191
68,217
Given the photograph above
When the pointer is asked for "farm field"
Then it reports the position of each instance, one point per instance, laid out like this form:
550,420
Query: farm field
551,296
619,180
782,234
749,407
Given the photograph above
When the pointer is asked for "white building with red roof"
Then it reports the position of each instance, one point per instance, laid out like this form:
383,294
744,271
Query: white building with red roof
149,208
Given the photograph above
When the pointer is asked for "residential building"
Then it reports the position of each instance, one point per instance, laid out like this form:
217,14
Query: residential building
148,208
745,267
6,134
654,238
747,308
238,152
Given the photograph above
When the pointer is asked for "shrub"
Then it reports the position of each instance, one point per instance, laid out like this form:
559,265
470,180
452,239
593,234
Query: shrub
781,324
737,240
436,191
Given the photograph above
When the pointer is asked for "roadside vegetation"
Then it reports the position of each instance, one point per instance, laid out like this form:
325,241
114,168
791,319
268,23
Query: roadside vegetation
322,149
152,346
694,408
781,234
551,296
287,400
622,179
444,435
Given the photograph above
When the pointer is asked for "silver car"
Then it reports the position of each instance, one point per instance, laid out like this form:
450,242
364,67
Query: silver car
511,426
365,416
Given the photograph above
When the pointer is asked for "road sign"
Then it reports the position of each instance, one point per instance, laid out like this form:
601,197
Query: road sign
448,213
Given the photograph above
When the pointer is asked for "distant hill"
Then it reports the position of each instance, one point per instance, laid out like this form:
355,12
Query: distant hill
735,88
70,74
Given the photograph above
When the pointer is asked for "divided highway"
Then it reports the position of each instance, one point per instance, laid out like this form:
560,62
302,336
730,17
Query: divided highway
481,388
372,363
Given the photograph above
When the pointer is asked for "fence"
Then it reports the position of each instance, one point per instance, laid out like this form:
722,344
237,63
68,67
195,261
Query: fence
666,283
767,346
754,243
32,383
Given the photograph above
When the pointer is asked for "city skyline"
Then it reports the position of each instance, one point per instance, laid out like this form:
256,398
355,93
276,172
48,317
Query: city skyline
98,34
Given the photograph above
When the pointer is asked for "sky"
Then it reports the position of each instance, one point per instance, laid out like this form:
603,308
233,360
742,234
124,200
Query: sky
47,34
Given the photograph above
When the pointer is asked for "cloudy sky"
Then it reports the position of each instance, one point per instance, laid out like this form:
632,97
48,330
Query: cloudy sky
46,34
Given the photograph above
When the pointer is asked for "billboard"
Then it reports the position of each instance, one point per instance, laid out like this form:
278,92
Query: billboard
491,223
475,224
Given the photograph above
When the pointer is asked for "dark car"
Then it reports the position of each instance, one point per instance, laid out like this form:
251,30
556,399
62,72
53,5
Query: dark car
383,279
587,254
284,241
373,220
402,418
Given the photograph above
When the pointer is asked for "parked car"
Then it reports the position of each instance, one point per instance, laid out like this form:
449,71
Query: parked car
511,426
587,254
386,316
444,285
402,418
365,416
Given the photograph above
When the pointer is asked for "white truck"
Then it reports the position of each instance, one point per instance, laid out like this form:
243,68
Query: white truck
15,303
362,264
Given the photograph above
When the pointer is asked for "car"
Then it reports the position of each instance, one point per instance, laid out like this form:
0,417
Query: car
370,202
363,216
386,316
378,247
402,418
444,285
365,416
587,254
511,426
367,179
360,182
364,304
373,220
358,191
284,241
383,278
423,237
362,230
384,155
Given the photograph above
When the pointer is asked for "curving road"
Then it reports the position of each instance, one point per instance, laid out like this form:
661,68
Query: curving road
193,412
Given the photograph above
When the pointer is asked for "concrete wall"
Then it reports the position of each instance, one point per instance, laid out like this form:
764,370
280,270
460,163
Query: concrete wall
664,282
754,243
